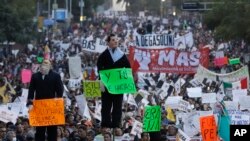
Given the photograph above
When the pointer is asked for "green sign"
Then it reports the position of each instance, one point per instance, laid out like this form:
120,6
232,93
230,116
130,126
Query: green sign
152,119
118,81
39,59
92,88
234,61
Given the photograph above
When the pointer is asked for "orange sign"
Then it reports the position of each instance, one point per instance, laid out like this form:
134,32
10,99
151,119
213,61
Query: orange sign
47,112
208,128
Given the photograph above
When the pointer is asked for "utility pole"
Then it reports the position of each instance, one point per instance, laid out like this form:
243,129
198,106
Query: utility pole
55,6
70,8
48,9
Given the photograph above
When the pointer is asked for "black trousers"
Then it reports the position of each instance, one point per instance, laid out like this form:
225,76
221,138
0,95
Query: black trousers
111,119
51,133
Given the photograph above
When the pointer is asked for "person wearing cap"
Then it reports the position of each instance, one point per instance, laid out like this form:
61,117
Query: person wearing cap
45,84
111,58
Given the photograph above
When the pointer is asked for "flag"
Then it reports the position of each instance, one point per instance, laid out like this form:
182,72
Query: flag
92,75
242,84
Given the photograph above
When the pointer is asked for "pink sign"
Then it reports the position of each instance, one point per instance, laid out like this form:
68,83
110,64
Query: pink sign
26,75
220,61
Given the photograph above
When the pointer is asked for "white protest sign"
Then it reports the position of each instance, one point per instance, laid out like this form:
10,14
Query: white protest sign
7,115
137,128
81,103
24,96
182,136
230,105
208,98
194,92
173,102
239,119
244,102
237,93
75,68
97,114
100,45
74,83
184,105
131,100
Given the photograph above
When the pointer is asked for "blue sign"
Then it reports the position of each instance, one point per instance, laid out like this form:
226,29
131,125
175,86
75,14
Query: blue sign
60,14
48,22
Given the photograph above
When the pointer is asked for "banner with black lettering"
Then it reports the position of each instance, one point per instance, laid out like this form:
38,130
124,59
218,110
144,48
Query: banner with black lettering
154,40
167,60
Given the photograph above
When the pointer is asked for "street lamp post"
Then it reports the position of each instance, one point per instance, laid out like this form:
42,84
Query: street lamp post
81,4
162,8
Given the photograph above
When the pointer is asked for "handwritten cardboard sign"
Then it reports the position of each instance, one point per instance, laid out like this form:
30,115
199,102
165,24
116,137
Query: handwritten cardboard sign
92,88
118,81
47,112
208,128
152,119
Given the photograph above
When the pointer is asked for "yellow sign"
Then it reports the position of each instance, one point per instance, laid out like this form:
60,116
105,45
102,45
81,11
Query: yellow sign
47,112
92,88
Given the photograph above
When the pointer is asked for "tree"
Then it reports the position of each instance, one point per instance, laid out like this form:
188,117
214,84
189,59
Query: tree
230,20
16,20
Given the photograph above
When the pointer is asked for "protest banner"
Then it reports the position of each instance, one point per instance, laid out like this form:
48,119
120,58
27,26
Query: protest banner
121,81
92,88
47,112
154,40
152,119
208,128
26,75
237,75
167,60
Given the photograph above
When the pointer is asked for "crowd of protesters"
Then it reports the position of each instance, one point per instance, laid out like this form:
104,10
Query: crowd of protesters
77,127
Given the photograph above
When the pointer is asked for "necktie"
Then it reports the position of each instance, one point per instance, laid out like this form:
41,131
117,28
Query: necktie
113,50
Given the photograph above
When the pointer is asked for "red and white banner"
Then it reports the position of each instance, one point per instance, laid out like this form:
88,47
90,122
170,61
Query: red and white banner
167,60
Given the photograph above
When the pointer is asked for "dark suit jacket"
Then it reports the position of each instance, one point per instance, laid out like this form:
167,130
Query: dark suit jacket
106,62
49,87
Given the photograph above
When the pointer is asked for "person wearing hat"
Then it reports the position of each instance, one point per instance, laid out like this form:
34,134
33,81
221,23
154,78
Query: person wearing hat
45,84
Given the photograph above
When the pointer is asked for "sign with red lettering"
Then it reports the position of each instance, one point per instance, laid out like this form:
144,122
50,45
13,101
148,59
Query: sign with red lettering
168,60
208,128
